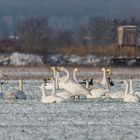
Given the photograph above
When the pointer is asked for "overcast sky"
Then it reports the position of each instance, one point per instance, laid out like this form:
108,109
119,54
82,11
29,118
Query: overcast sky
69,12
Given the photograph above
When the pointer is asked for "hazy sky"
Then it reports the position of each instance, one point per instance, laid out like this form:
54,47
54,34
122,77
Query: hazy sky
68,12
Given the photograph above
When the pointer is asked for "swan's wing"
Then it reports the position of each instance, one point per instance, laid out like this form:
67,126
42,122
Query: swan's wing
75,88
63,94
49,86
1,95
20,95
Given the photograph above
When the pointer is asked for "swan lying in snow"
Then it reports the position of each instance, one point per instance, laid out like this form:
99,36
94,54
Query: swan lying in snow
134,91
53,98
19,94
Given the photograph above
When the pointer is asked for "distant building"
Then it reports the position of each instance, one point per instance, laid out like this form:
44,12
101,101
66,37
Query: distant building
127,35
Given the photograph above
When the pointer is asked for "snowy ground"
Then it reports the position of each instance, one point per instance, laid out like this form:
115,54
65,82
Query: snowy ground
79,120
91,72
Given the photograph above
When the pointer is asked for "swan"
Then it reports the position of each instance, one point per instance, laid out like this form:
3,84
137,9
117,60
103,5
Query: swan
49,85
97,93
129,97
103,82
49,98
19,94
133,91
74,75
62,93
105,74
71,86
113,94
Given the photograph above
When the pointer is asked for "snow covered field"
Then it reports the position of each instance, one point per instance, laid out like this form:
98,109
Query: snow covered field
80,120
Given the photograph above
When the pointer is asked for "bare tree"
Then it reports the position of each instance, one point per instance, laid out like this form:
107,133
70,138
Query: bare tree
96,31
33,34
64,38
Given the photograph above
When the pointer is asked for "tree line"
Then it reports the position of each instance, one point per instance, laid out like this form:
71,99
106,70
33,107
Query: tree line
35,35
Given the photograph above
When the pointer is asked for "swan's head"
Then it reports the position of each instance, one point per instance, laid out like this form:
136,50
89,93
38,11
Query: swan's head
109,71
131,77
53,68
76,69
61,68
103,69
1,83
50,78
57,68
125,82
45,80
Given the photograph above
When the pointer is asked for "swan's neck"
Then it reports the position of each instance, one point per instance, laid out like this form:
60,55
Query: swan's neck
43,90
104,75
131,86
107,84
1,90
56,78
87,84
54,87
126,90
74,76
67,75
54,75
21,85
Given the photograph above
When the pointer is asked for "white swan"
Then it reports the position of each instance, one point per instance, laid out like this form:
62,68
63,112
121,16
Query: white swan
71,86
19,94
49,85
105,73
97,93
129,97
49,98
133,91
74,75
62,93
103,82
113,94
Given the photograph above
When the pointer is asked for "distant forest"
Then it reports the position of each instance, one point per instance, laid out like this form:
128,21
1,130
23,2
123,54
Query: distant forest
36,35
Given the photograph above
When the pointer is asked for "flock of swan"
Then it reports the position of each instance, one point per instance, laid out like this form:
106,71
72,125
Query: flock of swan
68,88
64,88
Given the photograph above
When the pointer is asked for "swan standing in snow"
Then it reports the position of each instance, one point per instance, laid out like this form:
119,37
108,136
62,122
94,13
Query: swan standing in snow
19,94
71,86
129,97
